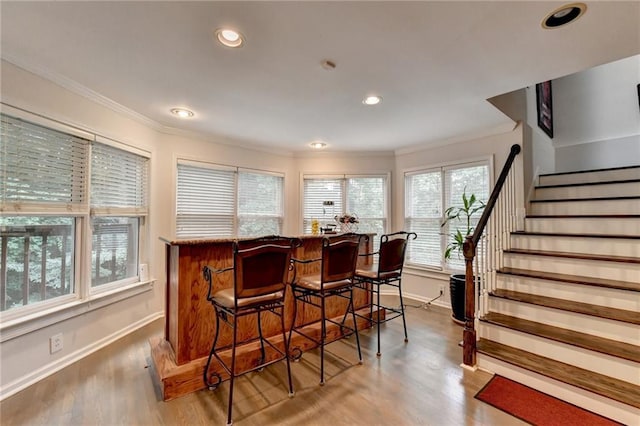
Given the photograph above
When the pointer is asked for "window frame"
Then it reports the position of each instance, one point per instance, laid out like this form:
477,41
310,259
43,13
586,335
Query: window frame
442,168
83,298
343,178
235,217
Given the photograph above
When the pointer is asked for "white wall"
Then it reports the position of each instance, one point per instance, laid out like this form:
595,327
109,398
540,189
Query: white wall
596,120
25,358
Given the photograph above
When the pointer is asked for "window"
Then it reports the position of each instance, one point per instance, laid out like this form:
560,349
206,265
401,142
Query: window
221,201
365,196
47,193
118,208
428,193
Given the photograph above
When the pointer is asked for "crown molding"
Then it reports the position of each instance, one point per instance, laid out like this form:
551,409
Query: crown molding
81,90
483,133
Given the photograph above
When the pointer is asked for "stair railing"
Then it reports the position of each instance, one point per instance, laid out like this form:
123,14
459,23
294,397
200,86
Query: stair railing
491,244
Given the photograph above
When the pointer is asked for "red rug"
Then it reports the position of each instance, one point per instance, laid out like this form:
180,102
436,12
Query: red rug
535,407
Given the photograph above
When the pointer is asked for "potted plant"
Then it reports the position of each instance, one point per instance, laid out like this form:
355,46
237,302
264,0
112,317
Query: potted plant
460,216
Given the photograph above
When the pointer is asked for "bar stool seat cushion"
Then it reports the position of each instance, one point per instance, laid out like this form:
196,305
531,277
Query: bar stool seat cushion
226,298
372,274
314,282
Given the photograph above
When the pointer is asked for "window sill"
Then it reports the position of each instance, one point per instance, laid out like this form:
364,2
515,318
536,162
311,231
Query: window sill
45,318
436,273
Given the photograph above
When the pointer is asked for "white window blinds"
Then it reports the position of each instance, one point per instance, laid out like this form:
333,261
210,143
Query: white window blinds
260,203
363,196
219,201
119,181
428,194
205,202
322,200
423,213
366,197
41,167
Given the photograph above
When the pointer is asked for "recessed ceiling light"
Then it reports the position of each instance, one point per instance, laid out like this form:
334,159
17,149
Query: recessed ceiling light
317,145
229,38
563,15
372,100
182,113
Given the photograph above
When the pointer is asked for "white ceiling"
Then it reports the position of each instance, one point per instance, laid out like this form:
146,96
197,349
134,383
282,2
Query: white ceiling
434,63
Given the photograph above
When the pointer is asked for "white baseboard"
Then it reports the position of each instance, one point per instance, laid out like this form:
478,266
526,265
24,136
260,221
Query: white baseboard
416,297
45,371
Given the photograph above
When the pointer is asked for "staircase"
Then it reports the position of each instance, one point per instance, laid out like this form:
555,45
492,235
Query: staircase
565,317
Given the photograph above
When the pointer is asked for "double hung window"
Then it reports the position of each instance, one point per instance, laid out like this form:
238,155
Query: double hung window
363,196
222,201
61,190
428,194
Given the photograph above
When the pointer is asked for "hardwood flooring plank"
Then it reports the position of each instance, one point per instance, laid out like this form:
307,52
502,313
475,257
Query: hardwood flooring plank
415,383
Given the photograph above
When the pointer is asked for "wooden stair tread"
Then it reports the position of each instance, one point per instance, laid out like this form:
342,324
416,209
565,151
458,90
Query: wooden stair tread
564,200
609,387
574,338
578,172
615,314
573,279
608,182
560,234
583,216
569,255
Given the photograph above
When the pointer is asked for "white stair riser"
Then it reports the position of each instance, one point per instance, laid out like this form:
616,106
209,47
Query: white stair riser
596,176
587,207
626,189
620,369
576,244
608,329
612,298
597,226
581,267
622,413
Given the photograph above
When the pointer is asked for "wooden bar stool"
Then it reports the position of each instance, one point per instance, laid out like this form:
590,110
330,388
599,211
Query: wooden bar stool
336,279
386,271
260,272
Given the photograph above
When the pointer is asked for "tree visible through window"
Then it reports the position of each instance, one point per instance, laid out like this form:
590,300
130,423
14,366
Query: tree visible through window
44,197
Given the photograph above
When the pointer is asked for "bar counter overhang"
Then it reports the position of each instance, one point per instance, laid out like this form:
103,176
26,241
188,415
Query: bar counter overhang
190,322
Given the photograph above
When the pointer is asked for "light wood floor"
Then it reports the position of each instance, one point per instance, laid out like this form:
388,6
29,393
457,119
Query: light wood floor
417,383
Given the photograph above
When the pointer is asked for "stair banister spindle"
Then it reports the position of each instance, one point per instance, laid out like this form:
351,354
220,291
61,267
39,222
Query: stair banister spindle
469,251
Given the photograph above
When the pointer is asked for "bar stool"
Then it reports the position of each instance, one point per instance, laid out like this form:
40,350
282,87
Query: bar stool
336,278
260,272
386,271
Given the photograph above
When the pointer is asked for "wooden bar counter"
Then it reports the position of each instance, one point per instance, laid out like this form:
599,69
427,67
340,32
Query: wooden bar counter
179,358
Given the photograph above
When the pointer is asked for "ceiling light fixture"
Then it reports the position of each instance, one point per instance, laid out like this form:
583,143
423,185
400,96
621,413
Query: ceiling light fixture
317,145
182,113
229,38
564,15
372,100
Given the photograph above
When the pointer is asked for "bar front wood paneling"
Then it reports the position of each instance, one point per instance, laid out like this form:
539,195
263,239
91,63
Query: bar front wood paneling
190,321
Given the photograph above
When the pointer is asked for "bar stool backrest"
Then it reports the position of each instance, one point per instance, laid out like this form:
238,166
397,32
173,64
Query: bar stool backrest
339,257
262,269
392,251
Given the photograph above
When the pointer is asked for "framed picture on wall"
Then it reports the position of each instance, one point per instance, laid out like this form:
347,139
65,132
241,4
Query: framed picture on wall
545,110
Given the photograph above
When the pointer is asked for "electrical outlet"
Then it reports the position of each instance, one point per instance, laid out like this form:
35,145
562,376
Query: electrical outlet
441,290
55,343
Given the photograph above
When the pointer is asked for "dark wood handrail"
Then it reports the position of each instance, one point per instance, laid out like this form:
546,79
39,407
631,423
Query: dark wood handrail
469,251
